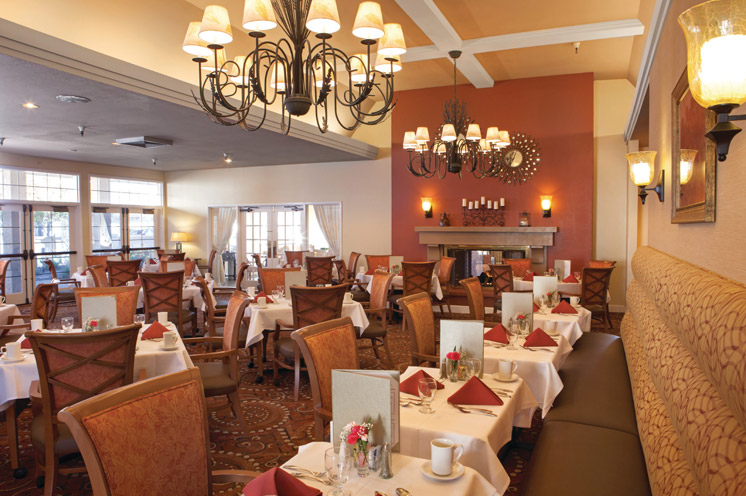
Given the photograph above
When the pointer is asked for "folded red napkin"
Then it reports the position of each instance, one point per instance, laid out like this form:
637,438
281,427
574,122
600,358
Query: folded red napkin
536,307
409,385
564,307
152,261
25,344
263,294
138,282
529,277
155,331
570,278
84,273
370,272
475,392
539,338
280,483
498,334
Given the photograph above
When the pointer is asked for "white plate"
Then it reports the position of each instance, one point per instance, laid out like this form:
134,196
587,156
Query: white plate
173,348
5,360
427,470
496,376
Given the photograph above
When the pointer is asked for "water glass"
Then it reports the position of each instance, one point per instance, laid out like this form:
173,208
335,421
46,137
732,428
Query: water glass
512,336
140,319
473,367
337,464
275,295
577,275
427,387
67,323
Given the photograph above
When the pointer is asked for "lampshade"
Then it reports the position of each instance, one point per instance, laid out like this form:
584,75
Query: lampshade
323,17
715,34
686,166
546,202
278,78
427,203
448,133
368,21
193,44
484,147
319,74
409,142
504,138
440,149
358,66
258,15
493,135
641,167
209,66
473,133
215,28
392,42
393,64
237,73
179,236
423,135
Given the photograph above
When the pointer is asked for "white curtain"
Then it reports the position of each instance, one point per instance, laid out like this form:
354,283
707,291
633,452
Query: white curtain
221,235
330,220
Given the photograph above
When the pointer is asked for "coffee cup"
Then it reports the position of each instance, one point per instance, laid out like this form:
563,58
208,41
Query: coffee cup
348,297
12,350
575,300
361,269
170,339
262,301
37,324
506,369
443,455
163,317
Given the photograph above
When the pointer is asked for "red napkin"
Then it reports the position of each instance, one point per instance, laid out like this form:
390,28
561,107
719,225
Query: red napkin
370,272
280,483
536,307
529,277
84,273
409,385
564,307
475,392
539,338
155,331
263,294
498,334
138,282
152,261
25,344
570,278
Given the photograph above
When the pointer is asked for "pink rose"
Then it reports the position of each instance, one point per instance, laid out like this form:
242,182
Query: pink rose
453,355
352,438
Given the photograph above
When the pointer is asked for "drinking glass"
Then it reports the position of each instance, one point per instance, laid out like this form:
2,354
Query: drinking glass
473,367
427,387
337,463
275,295
67,323
140,319
281,291
577,275
512,336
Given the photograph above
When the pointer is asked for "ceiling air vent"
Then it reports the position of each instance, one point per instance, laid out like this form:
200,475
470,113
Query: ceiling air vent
144,142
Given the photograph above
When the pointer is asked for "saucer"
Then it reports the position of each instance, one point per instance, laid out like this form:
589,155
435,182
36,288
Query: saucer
427,470
3,359
172,348
496,376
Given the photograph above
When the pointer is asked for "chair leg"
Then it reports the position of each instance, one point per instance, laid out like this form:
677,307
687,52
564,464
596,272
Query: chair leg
236,407
318,428
390,361
608,317
297,374
260,367
50,471
275,370
375,346
12,432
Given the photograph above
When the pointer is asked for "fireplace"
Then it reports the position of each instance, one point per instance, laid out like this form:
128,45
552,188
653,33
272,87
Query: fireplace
474,261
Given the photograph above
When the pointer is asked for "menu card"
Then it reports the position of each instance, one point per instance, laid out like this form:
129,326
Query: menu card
294,278
361,394
562,268
544,285
395,260
464,335
174,266
515,303
101,308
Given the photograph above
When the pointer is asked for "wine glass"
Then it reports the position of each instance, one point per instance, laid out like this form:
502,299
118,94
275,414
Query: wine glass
140,319
427,387
67,323
577,276
512,336
337,464
473,367
275,295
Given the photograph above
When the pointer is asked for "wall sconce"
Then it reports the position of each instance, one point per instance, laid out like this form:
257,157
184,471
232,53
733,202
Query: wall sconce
715,34
686,166
179,237
641,169
546,205
427,207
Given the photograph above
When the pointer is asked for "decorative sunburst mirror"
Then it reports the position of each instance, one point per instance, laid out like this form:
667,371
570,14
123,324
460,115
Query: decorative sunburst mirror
519,160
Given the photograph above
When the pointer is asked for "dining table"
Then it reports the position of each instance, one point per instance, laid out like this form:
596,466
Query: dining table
562,287
481,435
86,280
408,474
571,326
8,310
398,283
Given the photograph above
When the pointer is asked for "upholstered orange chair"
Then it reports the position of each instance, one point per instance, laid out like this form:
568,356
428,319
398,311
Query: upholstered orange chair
211,260
377,312
222,294
342,276
418,313
162,426
502,282
319,270
271,279
520,265
474,296
417,277
126,297
594,287
257,260
43,306
163,293
96,260
376,262
123,271
310,306
74,367
98,272
352,264
294,258
326,346
445,269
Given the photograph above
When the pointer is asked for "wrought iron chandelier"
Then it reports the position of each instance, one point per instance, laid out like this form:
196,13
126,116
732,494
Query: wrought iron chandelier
459,147
356,89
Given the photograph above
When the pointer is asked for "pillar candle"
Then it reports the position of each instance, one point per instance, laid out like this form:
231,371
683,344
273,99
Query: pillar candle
489,203
502,202
497,207
463,202
471,204
482,200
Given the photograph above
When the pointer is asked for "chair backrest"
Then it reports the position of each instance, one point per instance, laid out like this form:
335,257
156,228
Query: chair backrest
189,267
241,275
520,265
601,264
4,264
319,270
233,317
473,288
341,270
163,455
327,346
380,287
314,305
204,290
120,273
271,279
294,256
418,277
177,257
211,260
352,265
126,301
595,285
257,260
44,303
375,262
445,270
96,260
51,267
418,312
98,272
173,266
162,291
502,279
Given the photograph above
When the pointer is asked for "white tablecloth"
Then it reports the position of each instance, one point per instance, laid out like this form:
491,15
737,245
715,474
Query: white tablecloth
86,281
398,283
482,436
538,368
571,327
562,287
407,474
265,318
7,310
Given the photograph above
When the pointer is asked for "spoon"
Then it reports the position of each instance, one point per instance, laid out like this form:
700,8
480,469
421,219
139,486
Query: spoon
400,491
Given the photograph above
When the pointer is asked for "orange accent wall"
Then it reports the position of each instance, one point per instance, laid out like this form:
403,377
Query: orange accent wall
557,111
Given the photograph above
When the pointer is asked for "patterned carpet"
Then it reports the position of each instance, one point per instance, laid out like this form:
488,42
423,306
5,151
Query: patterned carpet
278,425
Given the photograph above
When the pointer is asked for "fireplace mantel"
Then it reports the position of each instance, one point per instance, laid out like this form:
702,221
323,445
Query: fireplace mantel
486,236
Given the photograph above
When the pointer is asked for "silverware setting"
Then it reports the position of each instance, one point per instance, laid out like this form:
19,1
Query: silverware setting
303,473
536,349
502,393
471,409
406,403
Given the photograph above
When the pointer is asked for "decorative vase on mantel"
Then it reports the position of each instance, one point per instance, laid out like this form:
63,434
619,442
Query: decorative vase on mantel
523,220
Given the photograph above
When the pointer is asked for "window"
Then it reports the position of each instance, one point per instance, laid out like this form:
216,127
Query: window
112,191
38,186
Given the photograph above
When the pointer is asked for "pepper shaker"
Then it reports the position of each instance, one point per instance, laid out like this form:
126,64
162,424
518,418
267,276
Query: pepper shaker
385,462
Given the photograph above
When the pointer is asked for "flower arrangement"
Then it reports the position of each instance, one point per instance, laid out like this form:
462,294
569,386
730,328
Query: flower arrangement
90,324
358,436
452,359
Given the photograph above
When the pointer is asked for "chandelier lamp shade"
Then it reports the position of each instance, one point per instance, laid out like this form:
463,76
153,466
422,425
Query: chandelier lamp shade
301,71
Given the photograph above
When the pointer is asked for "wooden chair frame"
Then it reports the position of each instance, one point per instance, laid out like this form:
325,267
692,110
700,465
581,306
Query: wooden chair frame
319,270
474,295
43,306
377,309
445,270
352,264
593,290
123,271
4,264
173,282
419,356
98,272
502,282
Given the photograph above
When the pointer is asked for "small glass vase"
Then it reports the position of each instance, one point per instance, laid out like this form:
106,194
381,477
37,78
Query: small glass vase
361,461
452,370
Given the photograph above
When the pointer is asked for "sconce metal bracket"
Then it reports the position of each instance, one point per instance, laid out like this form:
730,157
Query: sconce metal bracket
724,131
659,188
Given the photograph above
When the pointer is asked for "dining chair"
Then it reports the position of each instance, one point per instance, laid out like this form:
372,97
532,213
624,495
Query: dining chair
319,270
594,288
65,294
418,313
219,369
9,417
310,306
376,262
601,264
352,264
163,292
272,279
123,271
126,297
222,294
257,260
502,282
417,277
43,306
474,296
161,424
519,265
377,312
342,276
98,273
73,367
211,260
4,264
176,257
294,258
326,346
96,260
445,270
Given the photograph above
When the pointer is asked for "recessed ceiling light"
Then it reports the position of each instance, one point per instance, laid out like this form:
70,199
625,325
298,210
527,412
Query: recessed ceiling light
227,158
30,105
73,99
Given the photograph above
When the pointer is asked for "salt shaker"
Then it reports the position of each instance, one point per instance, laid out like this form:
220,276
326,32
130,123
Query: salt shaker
385,462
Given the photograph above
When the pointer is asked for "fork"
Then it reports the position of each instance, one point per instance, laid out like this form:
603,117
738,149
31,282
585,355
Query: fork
480,411
305,470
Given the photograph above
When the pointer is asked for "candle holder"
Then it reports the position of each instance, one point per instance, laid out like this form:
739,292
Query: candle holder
484,216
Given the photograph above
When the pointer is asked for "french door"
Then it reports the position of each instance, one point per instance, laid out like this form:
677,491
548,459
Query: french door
272,230
133,231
